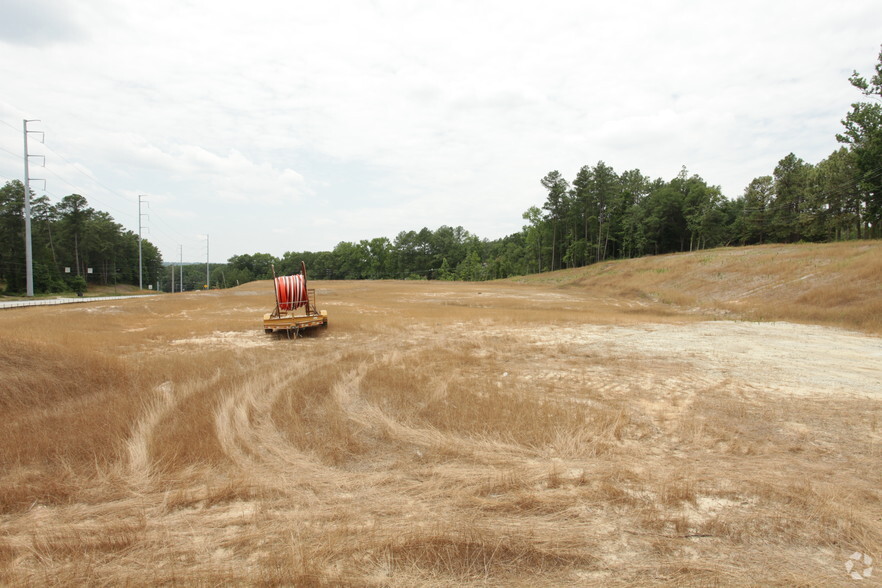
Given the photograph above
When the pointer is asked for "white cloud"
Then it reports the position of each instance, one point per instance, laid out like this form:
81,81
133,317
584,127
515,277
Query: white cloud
39,22
351,120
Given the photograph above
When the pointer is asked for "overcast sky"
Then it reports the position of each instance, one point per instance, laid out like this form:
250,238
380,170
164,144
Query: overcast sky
278,126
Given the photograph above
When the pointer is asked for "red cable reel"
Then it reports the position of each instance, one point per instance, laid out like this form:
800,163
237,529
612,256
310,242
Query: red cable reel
291,290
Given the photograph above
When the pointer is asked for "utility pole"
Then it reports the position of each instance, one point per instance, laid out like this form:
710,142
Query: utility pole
140,272
140,259
207,283
182,268
29,254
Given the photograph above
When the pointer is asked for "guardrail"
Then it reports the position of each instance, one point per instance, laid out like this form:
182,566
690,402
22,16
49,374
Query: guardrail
56,301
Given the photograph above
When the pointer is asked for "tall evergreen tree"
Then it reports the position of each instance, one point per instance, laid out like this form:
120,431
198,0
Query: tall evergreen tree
555,205
792,182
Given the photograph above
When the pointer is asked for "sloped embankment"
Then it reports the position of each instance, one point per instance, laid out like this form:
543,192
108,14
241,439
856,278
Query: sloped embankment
833,284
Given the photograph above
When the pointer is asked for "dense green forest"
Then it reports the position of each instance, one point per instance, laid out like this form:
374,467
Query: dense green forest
600,214
72,244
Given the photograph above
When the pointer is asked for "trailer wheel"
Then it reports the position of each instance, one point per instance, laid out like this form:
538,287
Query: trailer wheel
268,331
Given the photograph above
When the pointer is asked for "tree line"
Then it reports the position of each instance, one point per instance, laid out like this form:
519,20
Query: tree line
447,253
605,215
72,245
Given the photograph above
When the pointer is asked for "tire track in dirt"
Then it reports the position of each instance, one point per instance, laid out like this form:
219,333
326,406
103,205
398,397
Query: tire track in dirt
249,437
137,446
371,417
263,452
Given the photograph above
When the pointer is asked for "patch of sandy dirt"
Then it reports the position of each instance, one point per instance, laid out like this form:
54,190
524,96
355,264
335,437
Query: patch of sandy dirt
237,339
776,357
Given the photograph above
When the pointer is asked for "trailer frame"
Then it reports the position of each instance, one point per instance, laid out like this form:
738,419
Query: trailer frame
279,320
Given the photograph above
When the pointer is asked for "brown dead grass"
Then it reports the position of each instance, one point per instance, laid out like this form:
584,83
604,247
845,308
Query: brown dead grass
835,284
440,434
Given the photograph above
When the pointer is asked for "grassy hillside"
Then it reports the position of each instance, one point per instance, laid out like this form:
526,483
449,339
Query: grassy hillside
834,284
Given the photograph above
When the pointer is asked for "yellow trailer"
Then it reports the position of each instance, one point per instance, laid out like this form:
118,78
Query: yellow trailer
289,321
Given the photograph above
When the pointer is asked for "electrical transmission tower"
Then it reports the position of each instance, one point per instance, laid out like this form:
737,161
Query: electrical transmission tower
29,254
140,263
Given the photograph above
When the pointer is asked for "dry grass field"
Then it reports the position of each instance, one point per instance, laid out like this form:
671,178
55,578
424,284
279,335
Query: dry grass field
712,418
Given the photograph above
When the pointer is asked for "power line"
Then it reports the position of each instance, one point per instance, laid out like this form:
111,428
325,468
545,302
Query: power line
76,188
88,175
9,125
172,229
91,197
175,238
170,233
15,155
94,179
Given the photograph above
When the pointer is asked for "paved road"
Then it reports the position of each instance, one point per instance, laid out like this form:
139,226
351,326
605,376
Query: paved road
54,301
